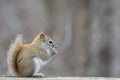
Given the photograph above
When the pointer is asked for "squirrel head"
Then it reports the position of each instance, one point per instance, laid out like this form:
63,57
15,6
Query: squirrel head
46,42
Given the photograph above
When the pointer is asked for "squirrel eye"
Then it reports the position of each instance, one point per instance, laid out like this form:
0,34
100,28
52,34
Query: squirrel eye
50,42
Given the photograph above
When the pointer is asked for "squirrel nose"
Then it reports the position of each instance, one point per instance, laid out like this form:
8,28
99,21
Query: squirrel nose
55,46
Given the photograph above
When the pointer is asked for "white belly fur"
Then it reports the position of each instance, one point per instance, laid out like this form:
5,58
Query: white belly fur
38,64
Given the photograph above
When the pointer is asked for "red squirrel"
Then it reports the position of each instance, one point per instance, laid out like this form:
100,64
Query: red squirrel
27,59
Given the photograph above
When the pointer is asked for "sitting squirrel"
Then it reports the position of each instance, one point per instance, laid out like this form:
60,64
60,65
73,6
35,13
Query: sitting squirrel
27,59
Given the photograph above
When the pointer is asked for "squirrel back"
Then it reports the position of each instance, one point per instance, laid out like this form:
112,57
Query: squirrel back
12,53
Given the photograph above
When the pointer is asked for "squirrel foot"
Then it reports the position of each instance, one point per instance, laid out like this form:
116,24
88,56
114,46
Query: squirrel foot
39,75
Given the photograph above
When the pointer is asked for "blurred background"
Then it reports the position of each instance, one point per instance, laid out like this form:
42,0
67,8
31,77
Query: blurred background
86,31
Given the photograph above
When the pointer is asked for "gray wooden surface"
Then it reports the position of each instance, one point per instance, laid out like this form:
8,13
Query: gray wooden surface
60,78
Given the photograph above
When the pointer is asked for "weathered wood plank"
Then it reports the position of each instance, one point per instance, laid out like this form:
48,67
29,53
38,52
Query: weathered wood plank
59,78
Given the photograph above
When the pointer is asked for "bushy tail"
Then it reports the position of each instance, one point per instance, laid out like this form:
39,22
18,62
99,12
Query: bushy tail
12,54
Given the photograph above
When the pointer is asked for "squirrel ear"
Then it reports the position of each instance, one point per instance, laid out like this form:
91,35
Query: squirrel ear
42,36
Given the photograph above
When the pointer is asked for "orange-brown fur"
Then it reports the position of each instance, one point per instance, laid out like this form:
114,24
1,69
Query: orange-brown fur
20,55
